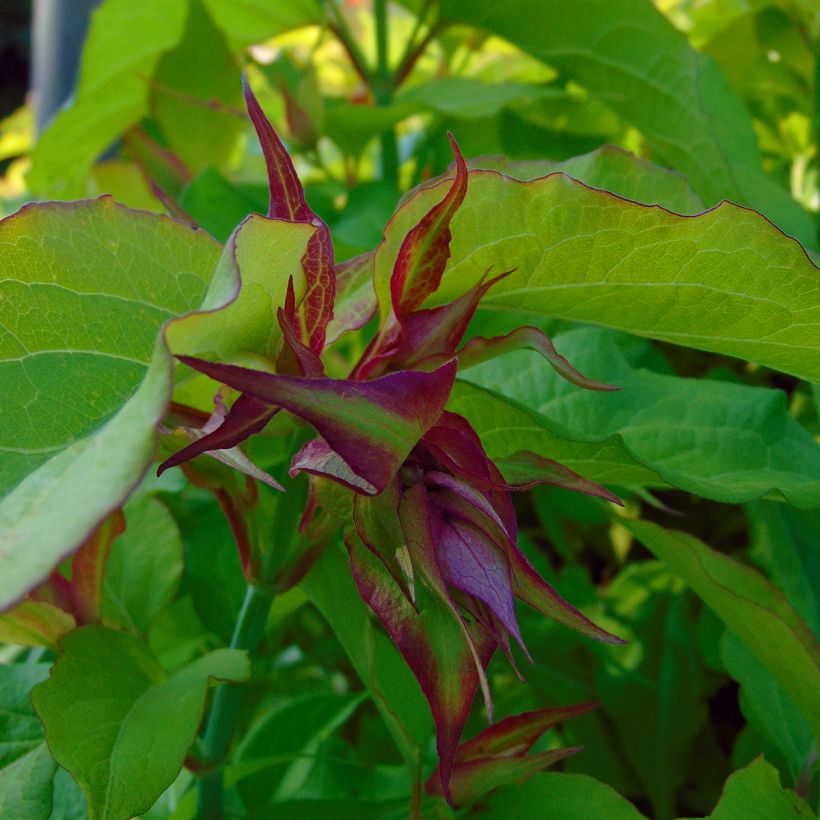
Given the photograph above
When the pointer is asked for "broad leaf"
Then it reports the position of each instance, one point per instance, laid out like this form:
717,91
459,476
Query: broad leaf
121,52
586,255
768,708
719,439
144,566
750,606
126,746
195,93
755,793
562,796
611,47
610,169
82,398
31,786
35,623
253,21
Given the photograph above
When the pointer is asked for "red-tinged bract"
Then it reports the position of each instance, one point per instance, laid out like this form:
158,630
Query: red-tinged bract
432,534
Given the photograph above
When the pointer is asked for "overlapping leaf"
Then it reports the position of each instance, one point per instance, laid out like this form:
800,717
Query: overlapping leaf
726,281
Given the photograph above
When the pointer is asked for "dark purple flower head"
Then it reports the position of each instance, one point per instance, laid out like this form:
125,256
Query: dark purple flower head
432,536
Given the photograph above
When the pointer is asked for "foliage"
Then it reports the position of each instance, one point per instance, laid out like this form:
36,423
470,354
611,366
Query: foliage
286,442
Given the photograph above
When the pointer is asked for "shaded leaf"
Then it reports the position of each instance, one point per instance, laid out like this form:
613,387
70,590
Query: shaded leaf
126,748
750,606
755,793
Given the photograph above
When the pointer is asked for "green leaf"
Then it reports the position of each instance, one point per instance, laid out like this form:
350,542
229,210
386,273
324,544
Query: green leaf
469,99
726,281
656,700
294,728
253,21
82,397
144,566
560,797
20,730
247,324
611,48
121,52
721,440
217,205
610,169
767,707
381,669
755,793
26,785
750,606
784,546
118,722
31,786
196,93
506,426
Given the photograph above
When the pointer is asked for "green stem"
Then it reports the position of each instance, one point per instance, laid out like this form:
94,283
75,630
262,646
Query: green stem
339,27
383,93
250,627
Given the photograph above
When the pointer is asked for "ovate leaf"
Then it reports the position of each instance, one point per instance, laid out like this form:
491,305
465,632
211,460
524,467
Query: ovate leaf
726,281
118,722
81,396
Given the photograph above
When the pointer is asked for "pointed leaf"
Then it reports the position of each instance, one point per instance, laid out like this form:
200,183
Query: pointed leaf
470,562
126,748
246,417
515,735
476,777
425,248
317,458
371,425
438,331
525,470
479,349
431,643
287,202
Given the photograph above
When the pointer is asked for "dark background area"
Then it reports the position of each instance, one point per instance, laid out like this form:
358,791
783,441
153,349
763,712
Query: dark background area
15,50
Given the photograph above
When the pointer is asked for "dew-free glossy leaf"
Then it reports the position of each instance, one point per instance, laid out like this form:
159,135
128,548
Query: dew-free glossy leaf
196,93
750,606
82,397
611,48
118,722
121,52
610,169
564,796
144,566
726,281
718,439
755,793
